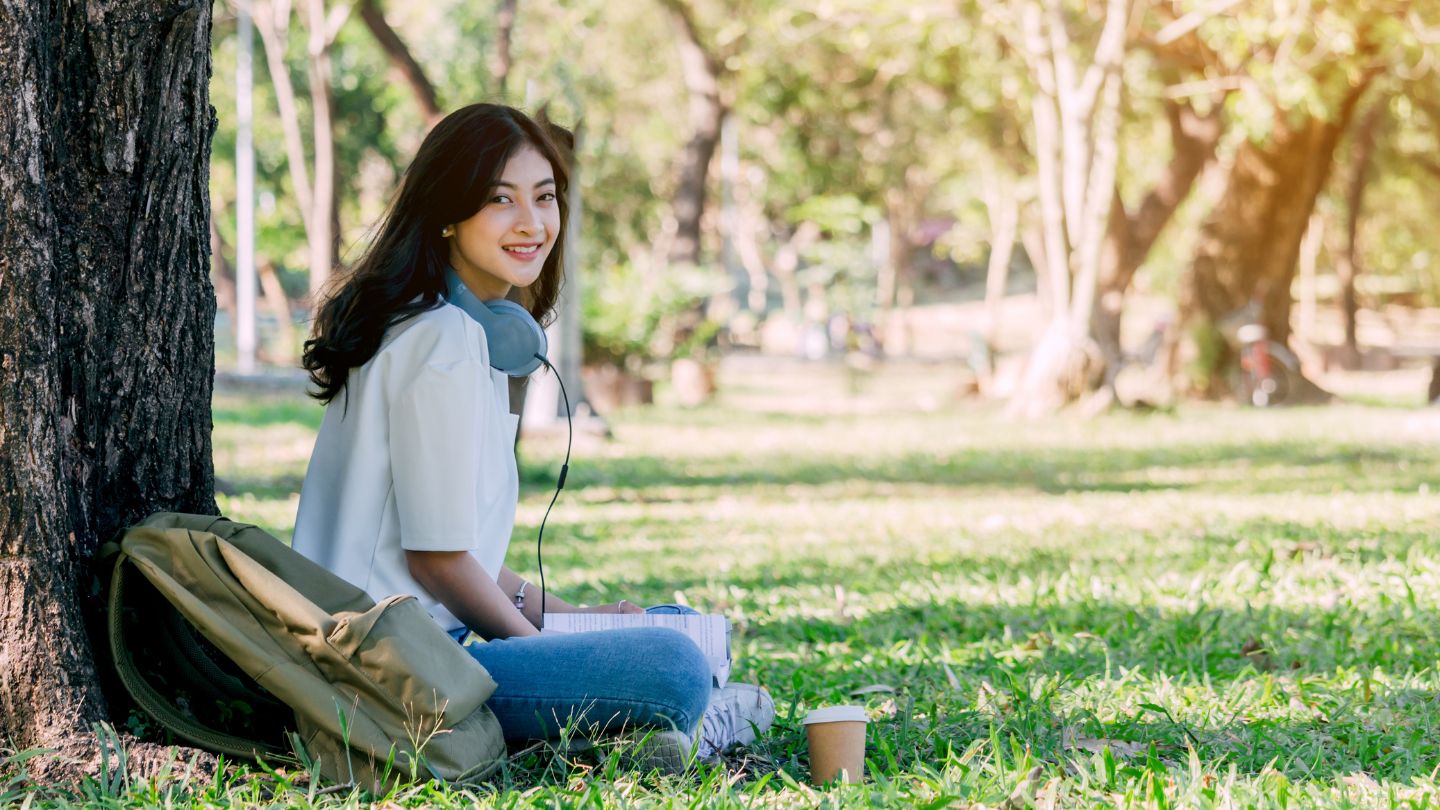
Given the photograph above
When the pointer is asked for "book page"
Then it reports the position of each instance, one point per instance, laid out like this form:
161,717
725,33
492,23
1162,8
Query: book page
711,633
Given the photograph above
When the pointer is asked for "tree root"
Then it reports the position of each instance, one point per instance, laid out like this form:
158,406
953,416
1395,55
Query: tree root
118,759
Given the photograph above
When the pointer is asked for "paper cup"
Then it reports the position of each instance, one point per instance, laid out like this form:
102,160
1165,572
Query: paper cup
837,744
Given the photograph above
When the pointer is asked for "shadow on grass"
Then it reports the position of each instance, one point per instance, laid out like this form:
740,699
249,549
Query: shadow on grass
281,487
1147,738
1268,467
1257,689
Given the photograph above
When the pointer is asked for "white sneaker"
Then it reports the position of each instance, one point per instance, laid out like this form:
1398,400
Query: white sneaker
669,752
738,713
645,749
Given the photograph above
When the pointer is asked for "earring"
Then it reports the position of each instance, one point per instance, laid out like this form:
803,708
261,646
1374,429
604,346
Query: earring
447,231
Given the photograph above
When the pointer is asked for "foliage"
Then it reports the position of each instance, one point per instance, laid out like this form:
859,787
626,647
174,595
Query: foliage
629,317
839,110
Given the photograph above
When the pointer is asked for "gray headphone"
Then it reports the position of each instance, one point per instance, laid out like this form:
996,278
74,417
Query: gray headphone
517,343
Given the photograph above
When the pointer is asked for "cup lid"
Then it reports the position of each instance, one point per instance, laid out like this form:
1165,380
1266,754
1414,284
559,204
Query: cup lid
837,714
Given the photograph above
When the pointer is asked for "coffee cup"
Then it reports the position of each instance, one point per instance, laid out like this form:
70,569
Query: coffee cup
837,743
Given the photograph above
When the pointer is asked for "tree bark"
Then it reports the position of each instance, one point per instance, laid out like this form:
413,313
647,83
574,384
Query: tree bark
702,71
1249,244
106,322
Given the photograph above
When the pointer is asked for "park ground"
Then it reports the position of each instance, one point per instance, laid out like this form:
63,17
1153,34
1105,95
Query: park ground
1214,606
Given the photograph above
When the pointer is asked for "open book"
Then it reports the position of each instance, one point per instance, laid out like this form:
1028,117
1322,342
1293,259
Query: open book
711,633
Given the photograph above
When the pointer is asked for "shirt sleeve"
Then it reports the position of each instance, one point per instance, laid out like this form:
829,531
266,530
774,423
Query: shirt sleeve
436,442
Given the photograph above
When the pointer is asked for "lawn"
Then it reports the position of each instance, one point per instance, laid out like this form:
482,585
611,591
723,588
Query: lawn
1214,607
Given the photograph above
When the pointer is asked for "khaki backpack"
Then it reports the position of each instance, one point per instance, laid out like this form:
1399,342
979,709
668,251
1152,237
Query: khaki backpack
378,691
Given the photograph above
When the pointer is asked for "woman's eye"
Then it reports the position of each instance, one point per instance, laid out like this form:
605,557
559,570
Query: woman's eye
500,198
547,196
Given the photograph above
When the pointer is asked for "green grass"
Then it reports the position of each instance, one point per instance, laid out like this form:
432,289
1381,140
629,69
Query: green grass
1215,608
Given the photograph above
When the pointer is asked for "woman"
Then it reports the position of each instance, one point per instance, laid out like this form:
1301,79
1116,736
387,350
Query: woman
412,485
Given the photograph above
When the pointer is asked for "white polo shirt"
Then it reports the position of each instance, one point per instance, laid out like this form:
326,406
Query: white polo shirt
416,452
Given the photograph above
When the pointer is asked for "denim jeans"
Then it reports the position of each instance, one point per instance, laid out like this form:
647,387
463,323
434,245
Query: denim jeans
595,682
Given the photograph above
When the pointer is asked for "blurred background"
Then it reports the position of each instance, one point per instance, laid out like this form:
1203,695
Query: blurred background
1092,204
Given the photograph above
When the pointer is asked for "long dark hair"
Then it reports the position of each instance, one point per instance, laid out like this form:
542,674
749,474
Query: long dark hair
402,273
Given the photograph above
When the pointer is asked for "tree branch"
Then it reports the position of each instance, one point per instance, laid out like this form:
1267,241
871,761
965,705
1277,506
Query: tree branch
1192,21
401,59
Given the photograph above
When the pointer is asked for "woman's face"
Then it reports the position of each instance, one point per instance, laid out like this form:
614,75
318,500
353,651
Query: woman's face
506,242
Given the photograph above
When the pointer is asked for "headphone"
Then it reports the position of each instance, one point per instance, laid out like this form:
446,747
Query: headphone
517,344
517,347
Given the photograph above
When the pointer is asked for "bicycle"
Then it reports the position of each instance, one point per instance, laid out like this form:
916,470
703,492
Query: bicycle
1267,368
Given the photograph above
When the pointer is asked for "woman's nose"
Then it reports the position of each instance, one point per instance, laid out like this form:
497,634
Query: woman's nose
529,219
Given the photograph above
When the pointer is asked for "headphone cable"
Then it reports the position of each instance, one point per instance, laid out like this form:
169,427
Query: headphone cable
559,484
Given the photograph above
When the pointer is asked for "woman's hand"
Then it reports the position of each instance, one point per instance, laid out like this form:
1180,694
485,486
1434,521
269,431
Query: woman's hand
623,606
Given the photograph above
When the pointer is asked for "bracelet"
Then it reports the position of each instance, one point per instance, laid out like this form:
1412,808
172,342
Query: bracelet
520,596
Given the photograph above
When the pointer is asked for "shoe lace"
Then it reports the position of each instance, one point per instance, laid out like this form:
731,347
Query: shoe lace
719,727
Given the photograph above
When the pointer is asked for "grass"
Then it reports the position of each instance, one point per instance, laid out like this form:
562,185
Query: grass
1213,608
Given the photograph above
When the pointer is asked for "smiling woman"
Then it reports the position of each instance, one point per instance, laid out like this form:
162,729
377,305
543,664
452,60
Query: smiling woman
473,188
412,486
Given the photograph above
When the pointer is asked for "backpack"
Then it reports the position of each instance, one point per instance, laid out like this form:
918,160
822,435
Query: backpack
229,639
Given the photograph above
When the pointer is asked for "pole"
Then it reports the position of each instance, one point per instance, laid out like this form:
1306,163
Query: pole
245,282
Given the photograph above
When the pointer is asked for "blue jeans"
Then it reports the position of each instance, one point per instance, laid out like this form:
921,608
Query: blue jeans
595,682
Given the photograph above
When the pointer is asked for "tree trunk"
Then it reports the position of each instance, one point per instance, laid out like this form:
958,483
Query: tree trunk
272,22
504,36
787,268
223,276
702,72
901,215
750,221
283,353
314,193
106,323
1129,238
1249,244
325,233
1310,246
1347,264
1002,209
1076,119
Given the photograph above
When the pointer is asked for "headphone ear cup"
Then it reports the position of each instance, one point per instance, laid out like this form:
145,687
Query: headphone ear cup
514,338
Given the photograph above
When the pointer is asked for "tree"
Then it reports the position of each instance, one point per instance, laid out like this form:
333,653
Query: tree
313,179
404,63
1299,86
106,323
1347,260
1076,128
703,67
